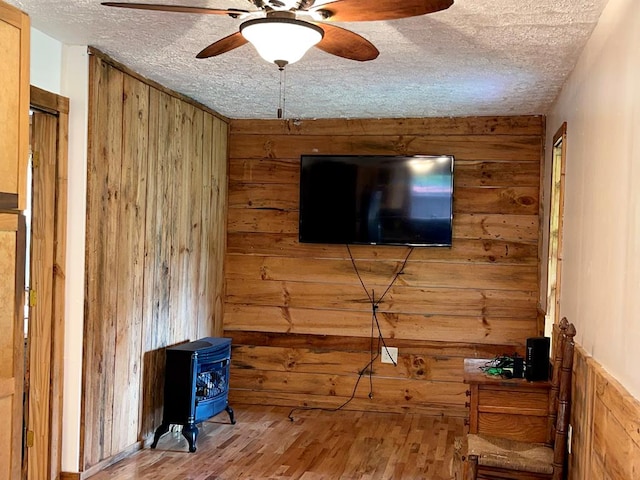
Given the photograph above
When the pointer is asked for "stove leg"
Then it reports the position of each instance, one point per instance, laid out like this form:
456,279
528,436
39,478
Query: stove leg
231,415
190,432
161,430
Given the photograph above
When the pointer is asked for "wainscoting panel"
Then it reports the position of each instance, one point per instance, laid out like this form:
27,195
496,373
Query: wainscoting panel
606,425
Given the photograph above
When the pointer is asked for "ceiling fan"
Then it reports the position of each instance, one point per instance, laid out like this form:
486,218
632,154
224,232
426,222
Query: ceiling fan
283,30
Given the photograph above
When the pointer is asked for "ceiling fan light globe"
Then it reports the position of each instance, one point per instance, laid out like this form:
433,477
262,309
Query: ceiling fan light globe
281,39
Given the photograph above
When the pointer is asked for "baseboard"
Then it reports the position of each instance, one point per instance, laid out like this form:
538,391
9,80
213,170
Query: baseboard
69,476
130,450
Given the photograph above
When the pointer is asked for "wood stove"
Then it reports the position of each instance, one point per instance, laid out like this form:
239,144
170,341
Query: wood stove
196,386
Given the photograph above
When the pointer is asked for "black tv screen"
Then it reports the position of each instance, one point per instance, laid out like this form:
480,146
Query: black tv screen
376,200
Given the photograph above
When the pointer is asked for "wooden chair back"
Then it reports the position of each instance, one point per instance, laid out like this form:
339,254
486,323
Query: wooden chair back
557,344
563,404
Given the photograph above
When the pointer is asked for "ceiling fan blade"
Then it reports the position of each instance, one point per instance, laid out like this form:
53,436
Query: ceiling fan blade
223,45
177,8
346,44
373,10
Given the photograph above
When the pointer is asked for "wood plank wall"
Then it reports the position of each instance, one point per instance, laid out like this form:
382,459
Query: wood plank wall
299,318
606,425
156,208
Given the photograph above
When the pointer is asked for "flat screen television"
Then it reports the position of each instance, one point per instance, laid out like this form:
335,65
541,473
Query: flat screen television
376,200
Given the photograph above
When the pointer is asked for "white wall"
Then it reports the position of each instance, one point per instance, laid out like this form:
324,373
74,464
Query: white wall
64,70
46,62
600,102
75,86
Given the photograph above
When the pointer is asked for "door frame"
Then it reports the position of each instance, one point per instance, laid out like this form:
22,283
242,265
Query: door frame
556,216
52,453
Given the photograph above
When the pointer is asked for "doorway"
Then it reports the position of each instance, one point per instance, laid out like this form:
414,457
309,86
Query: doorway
44,309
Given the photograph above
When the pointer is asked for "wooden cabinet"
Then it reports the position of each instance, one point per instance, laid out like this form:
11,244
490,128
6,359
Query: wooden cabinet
511,408
14,144
14,107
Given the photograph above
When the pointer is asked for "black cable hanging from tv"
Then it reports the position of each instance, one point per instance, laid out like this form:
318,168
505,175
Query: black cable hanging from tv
374,321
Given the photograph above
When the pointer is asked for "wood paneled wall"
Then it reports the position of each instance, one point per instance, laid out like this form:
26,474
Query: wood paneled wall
298,315
156,208
606,425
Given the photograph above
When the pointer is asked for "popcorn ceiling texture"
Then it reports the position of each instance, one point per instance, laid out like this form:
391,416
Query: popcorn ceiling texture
479,57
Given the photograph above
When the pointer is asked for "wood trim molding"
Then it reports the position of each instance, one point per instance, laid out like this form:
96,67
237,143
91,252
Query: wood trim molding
48,102
69,476
89,472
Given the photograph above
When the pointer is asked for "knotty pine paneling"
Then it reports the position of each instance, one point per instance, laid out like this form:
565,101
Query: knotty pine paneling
435,327
468,173
399,300
520,125
299,317
380,273
481,227
464,147
156,204
500,200
485,251
315,362
606,424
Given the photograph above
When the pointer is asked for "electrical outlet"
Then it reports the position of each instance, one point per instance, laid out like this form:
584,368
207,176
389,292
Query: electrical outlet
389,355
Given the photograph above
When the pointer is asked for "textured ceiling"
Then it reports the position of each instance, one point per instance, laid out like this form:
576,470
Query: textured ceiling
479,57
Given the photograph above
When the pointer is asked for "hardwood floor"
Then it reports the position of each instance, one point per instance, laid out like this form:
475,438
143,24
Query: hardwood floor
317,445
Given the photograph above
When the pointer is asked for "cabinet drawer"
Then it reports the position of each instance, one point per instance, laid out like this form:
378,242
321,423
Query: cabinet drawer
515,402
514,427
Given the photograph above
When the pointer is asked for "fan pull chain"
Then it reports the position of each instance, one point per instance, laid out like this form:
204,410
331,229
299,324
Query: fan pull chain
283,82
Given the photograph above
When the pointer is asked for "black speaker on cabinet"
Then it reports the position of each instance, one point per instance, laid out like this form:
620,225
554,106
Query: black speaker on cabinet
537,359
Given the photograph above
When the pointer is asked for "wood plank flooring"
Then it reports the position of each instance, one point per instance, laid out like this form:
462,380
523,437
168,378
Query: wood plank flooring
316,445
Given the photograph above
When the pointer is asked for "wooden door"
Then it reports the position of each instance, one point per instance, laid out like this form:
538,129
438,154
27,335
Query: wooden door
14,143
43,409
42,276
